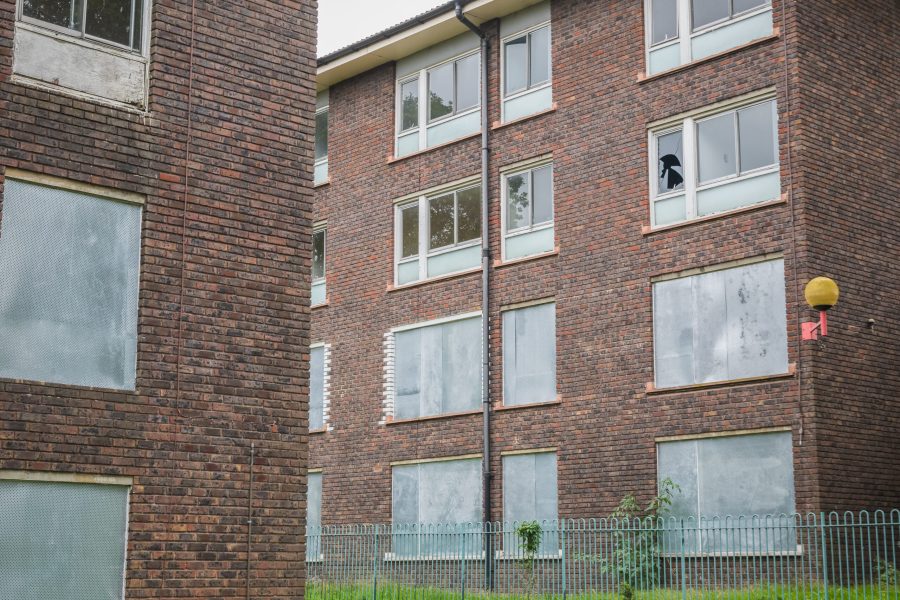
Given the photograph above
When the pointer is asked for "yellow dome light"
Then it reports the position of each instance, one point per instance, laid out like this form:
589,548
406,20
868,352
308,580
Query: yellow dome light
822,293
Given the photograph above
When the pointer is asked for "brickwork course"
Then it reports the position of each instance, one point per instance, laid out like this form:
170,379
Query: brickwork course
223,155
835,72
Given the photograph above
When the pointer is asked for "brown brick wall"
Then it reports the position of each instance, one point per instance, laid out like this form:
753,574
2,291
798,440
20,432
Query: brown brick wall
606,423
224,157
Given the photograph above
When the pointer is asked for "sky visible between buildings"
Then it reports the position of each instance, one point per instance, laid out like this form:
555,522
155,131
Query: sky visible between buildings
342,22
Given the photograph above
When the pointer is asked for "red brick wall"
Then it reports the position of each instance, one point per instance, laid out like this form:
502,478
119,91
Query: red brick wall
606,423
224,157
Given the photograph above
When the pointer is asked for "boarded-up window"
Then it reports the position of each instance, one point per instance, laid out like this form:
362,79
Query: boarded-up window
434,504
62,540
723,325
737,476
69,265
529,355
313,516
316,387
438,369
530,494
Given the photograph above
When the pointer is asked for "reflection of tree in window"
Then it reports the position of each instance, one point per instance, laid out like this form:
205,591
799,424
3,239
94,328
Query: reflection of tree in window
410,216
440,91
321,134
518,203
669,150
110,20
469,214
64,13
409,105
318,270
441,221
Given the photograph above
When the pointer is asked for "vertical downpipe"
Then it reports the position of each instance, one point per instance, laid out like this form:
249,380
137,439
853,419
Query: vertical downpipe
485,301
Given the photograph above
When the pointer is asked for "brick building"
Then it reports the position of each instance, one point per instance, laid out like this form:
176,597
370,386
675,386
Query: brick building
156,161
664,178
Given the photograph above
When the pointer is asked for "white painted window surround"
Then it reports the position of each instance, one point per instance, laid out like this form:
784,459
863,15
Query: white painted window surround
56,56
527,209
319,387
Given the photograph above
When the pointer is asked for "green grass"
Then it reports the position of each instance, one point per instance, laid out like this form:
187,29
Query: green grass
392,591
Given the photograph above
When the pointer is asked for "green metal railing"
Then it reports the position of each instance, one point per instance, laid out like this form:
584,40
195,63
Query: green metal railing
844,556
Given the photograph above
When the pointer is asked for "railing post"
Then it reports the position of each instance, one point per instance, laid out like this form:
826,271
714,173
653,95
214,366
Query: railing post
562,544
683,582
462,583
375,568
824,553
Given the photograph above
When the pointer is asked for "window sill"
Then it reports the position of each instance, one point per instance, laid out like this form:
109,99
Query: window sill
68,386
754,554
653,390
500,125
406,286
320,305
644,78
86,42
499,264
322,183
499,555
315,431
395,159
649,230
506,407
434,558
467,413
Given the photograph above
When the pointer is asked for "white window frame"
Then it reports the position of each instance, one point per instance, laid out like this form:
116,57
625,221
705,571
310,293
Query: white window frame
528,88
324,159
424,252
82,35
321,227
691,155
516,169
683,13
424,123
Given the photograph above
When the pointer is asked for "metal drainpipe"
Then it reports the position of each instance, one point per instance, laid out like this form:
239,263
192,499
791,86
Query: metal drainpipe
485,294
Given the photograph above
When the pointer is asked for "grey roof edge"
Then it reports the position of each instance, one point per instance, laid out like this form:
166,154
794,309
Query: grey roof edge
386,33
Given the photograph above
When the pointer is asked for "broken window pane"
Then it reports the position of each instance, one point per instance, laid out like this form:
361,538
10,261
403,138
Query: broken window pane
539,50
467,80
518,201
716,147
542,182
318,258
529,355
440,91
64,13
516,65
468,214
706,12
670,153
410,230
409,105
321,134
441,221
757,136
110,20
316,387
663,21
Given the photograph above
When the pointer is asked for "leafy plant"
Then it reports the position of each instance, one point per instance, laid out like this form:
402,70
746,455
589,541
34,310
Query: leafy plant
887,573
529,533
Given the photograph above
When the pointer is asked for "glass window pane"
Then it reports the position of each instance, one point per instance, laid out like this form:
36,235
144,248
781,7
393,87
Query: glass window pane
440,91
705,12
410,231
516,65
670,161
741,6
467,80
542,182
109,20
321,134
64,13
316,387
440,221
540,56
137,40
756,131
469,214
409,105
663,20
318,268
717,147
518,201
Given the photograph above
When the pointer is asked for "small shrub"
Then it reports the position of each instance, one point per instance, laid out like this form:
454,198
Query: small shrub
529,533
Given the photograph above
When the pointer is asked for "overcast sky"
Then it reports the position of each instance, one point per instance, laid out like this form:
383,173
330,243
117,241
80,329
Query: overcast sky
342,22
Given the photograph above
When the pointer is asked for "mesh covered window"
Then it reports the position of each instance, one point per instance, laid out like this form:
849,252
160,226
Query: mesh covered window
438,369
62,540
723,325
529,355
69,270
530,494
316,388
436,508
738,477
313,516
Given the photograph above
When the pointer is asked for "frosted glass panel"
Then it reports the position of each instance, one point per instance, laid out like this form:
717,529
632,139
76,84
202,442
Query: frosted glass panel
320,173
62,540
663,59
316,387
528,104
69,268
437,369
732,35
737,194
407,144
407,272
718,326
529,355
455,128
529,244
670,210
452,262
530,494
318,293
